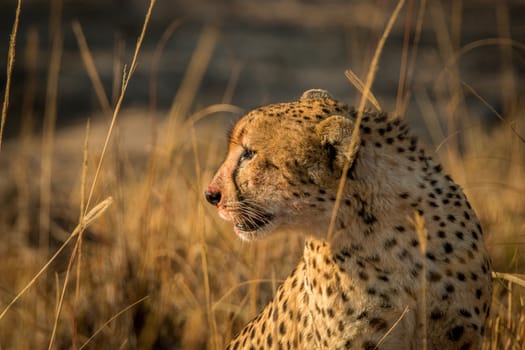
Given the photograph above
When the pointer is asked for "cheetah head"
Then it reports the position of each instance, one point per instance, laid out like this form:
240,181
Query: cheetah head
283,166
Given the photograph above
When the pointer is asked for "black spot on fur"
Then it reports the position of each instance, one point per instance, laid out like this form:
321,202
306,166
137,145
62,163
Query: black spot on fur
369,345
465,313
368,217
377,323
436,314
455,333
362,315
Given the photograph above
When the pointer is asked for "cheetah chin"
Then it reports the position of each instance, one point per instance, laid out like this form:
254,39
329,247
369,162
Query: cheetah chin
374,284
249,229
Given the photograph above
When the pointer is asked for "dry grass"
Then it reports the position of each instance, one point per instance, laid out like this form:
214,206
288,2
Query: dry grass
157,268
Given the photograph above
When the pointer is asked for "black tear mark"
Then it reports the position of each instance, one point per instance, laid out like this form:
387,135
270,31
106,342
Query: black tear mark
268,164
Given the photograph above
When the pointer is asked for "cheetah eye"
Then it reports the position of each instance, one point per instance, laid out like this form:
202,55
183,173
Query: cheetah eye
247,154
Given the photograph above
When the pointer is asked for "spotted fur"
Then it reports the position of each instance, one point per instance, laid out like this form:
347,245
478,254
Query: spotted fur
363,289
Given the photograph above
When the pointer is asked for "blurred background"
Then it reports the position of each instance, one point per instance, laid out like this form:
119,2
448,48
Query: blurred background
265,52
157,269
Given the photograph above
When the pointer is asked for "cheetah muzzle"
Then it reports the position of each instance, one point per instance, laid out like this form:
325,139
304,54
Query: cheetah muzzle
284,164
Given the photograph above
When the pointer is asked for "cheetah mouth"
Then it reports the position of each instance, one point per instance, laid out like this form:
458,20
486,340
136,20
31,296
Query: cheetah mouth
248,226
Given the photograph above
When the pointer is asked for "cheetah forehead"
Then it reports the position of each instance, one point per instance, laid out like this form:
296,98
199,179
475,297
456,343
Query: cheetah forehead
314,106
302,115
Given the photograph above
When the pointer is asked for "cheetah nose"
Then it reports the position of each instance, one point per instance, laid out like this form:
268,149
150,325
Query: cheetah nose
213,196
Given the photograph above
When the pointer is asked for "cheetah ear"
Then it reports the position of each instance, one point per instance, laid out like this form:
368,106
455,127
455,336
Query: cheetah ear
335,135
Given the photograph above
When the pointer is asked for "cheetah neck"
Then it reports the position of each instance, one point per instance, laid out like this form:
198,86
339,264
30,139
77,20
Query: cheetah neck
385,185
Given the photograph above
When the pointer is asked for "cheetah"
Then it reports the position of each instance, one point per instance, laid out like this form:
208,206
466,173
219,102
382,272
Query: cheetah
376,283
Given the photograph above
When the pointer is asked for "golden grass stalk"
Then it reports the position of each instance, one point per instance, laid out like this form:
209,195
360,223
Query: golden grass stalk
366,92
477,44
405,311
509,305
118,59
21,164
10,64
60,299
125,81
454,101
87,220
401,107
77,250
82,206
91,69
358,84
105,104
401,83
204,254
452,59
508,81
455,23
430,117
232,83
30,63
101,328
515,278
275,328
446,139
240,284
155,63
190,83
421,231
212,109
499,116
50,114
